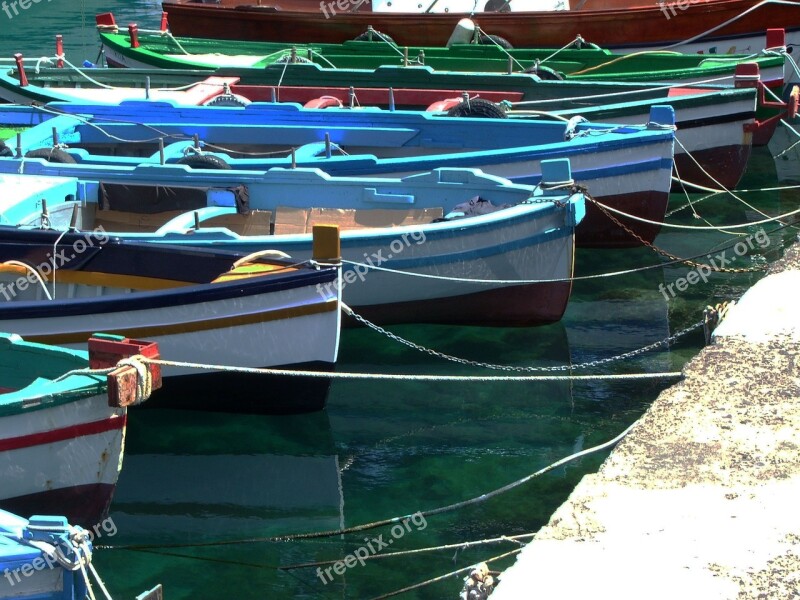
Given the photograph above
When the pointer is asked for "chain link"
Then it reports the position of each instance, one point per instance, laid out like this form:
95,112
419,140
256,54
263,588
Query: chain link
522,369
669,255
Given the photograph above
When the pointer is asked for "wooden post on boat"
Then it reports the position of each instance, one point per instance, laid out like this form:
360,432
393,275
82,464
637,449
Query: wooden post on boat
327,145
60,51
133,33
23,78
106,351
391,99
326,244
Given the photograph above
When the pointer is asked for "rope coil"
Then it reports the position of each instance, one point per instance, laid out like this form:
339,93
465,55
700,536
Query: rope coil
144,379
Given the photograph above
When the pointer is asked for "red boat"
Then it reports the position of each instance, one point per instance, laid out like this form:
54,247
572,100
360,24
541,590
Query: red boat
720,26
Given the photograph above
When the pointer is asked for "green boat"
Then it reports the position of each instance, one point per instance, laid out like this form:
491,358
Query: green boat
163,50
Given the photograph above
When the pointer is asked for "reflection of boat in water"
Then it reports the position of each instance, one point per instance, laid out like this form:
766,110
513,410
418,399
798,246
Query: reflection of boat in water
610,316
194,477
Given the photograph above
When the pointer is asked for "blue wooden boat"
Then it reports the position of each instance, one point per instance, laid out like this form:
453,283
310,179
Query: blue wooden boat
627,167
36,556
206,306
517,261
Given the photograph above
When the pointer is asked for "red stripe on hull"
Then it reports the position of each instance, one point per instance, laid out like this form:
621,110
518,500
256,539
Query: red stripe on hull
65,433
406,98
726,165
84,505
598,231
522,305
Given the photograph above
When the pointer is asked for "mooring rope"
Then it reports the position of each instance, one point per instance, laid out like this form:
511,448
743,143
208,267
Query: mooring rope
459,546
723,188
408,377
778,218
445,576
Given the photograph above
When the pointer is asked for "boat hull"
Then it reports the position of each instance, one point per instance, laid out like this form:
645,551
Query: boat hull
457,271
62,460
277,319
625,28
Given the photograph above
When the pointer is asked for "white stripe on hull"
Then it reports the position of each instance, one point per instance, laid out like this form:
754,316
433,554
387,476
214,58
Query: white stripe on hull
289,341
87,459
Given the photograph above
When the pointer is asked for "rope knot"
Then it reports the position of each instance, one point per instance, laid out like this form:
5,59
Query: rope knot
144,379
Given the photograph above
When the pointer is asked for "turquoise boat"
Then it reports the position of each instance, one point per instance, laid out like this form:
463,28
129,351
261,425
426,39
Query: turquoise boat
627,167
62,429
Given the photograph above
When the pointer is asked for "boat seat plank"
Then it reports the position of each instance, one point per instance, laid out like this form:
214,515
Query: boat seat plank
291,220
256,222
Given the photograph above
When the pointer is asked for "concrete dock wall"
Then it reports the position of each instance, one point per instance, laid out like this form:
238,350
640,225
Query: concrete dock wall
702,499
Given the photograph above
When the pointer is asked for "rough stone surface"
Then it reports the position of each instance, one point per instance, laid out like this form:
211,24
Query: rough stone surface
702,498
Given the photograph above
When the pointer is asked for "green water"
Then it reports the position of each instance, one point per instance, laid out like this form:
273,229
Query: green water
385,450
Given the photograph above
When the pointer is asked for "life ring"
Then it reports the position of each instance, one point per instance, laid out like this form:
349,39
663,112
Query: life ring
373,36
545,73
495,40
477,108
323,102
204,161
53,155
444,105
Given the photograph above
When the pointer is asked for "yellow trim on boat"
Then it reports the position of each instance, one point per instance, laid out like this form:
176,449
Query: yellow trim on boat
111,280
155,331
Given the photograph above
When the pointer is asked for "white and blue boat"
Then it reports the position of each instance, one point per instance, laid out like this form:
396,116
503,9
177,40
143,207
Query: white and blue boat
627,167
201,305
411,251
